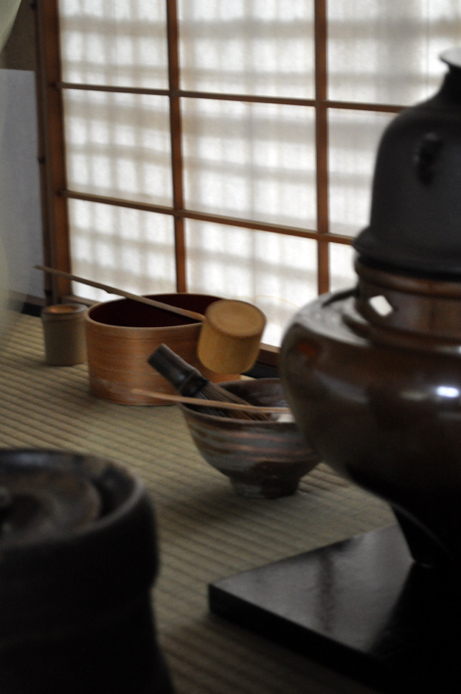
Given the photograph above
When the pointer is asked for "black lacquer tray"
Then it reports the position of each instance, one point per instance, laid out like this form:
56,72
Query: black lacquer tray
361,607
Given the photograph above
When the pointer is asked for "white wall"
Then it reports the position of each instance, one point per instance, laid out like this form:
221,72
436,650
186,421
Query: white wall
20,207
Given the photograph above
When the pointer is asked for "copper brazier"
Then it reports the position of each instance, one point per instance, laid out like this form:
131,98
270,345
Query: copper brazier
373,374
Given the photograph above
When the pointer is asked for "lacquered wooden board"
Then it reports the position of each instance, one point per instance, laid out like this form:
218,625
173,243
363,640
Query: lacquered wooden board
361,607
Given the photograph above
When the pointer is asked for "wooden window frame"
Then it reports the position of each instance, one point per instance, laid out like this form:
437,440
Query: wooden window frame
53,155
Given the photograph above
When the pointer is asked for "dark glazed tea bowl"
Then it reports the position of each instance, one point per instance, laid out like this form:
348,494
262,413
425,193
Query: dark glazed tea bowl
262,459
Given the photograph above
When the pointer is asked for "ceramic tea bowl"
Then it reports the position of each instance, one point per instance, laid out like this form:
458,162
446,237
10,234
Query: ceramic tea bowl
262,459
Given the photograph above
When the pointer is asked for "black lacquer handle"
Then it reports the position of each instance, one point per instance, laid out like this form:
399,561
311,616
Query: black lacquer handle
427,155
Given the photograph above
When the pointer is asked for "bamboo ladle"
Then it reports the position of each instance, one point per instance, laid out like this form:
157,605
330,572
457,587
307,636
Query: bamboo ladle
231,329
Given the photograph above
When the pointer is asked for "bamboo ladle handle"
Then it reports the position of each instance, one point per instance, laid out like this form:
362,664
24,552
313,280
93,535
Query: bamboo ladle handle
128,295
231,331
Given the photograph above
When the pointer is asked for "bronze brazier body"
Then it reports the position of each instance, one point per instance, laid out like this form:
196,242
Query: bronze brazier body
373,374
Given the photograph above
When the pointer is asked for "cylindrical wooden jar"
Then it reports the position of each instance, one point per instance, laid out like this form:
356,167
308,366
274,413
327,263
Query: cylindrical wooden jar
122,334
64,334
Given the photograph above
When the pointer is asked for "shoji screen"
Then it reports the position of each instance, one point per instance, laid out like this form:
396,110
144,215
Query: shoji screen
227,146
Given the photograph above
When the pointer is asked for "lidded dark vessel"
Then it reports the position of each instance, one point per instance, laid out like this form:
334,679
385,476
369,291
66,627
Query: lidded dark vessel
373,374
78,557
415,224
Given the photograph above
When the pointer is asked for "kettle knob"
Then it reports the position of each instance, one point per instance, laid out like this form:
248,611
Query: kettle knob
426,156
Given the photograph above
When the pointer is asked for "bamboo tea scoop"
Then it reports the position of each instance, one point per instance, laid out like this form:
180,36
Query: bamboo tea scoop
231,329
219,404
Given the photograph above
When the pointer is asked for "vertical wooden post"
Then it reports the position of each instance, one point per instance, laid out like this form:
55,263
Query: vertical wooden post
52,147
321,137
176,143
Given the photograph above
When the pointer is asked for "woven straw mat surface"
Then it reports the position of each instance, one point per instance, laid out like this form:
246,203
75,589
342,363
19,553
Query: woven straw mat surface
206,531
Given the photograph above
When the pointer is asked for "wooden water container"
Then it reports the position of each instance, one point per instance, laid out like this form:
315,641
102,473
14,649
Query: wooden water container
122,334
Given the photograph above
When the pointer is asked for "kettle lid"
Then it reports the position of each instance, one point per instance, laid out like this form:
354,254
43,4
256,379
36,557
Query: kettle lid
415,221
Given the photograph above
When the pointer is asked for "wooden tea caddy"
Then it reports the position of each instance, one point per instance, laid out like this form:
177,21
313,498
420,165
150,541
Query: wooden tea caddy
373,377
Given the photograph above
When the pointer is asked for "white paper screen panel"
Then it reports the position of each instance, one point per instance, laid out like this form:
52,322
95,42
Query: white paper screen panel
118,145
342,273
277,273
114,42
239,47
388,52
121,247
254,161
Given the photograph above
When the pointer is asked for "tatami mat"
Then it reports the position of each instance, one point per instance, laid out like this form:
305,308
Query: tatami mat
206,531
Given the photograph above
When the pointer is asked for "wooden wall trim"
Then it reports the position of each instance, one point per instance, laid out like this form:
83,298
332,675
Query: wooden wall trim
53,156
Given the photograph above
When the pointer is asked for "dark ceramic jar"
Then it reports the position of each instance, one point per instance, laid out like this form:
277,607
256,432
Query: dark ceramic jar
78,556
373,375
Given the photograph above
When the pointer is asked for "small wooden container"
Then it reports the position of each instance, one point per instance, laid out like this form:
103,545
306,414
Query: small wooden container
64,334
122,334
